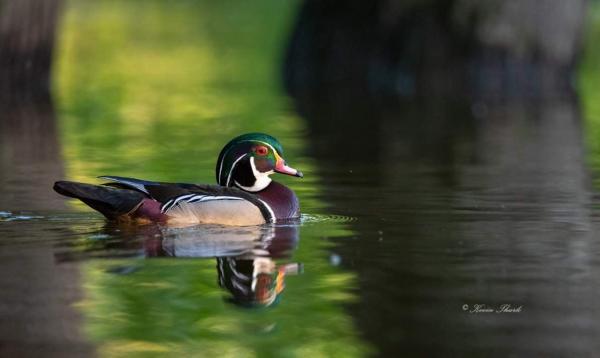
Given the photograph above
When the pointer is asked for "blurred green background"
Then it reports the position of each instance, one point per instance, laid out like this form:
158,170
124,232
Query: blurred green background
588,83
158,89
154,92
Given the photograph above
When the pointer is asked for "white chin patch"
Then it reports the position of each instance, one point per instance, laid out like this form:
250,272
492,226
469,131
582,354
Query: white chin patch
262,179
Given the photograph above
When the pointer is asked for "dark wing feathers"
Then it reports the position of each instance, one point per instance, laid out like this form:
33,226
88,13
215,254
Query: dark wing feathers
164,192
111,202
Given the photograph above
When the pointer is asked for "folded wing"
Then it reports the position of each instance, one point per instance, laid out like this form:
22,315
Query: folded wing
193,203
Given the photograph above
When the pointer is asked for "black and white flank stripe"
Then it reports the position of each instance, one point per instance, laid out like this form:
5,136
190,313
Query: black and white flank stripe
193,198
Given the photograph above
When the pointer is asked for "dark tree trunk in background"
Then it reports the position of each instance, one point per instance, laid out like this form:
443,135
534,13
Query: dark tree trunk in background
356,65
436,47
29,149
30,158
27,36
38,318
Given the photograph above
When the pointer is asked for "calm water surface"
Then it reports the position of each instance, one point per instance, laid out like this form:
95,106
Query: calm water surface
421,218
378,264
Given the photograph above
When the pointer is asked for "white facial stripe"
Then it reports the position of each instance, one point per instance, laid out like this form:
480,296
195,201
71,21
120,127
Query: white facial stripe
262,179
233,167
221,163
225,156
260,176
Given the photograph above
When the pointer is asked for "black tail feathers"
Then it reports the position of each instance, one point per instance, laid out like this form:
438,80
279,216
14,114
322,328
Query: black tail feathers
111,202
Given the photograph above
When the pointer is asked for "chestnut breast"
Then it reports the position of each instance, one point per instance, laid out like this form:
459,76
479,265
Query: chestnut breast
282,200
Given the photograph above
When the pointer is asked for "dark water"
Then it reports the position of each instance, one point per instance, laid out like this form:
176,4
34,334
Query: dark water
431,227
392,255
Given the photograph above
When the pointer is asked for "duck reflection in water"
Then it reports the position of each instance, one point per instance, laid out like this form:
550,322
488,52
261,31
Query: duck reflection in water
246,257
254,281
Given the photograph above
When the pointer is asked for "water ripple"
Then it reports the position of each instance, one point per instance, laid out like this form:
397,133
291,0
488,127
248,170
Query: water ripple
320,218
8,216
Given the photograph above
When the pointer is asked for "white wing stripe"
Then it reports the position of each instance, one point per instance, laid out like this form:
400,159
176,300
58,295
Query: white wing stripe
183,197
132,183
193,198
170,204
165,205
210,198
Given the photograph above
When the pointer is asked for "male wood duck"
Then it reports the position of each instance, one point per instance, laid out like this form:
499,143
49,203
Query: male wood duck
245,194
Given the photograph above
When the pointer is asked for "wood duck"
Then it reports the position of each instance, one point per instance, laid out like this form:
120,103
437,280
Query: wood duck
245,194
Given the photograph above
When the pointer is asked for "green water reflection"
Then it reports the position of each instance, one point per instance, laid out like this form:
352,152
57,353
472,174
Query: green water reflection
588,80
176,306
153,90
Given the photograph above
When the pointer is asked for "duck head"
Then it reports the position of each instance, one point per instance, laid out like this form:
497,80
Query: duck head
247,162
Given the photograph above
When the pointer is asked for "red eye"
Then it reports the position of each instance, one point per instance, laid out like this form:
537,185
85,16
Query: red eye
260,150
